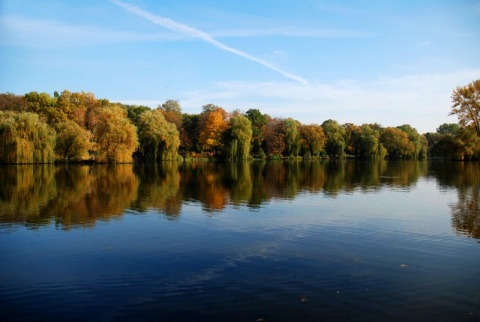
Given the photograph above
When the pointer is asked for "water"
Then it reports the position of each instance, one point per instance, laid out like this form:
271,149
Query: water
284,241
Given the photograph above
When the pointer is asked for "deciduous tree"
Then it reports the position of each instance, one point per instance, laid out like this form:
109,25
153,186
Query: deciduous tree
159,139
313,137
24,138
73,142
212,125
259,122
274,137
240,137
335,138
466,105
115,136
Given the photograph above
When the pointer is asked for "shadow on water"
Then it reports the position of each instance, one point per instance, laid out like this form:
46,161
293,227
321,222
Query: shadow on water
79,196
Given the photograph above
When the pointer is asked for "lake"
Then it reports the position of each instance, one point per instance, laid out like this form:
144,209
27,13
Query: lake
261,241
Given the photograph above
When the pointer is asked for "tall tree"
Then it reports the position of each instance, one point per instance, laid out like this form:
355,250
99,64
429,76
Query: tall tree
292,136
313,137
240,137
259,122
172,111
189,133
115,136
73,142
335,138
274,137
466,105
397,143
212,125
159,139
419,141
24,138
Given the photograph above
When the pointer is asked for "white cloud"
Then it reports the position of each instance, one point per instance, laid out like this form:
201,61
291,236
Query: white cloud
23,31
421,100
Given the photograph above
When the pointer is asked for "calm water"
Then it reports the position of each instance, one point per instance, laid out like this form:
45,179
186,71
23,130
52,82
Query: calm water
301,241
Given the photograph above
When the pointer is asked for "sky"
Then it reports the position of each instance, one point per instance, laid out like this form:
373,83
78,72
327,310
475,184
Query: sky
366,61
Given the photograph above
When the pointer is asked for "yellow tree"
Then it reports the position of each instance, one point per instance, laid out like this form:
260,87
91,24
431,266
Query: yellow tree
73,142
313,137
466,105
212,125
24,138
115,136
75,105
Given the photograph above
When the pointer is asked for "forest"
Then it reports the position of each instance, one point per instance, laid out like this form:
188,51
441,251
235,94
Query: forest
78,127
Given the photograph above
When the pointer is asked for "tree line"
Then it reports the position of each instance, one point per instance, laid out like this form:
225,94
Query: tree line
76,126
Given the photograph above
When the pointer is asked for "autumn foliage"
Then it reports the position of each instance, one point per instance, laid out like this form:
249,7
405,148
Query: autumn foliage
76,126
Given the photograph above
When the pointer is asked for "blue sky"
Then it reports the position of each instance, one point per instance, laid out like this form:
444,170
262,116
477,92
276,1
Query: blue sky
390,62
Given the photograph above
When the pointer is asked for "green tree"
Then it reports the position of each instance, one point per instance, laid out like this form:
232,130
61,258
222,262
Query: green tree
189,133
292,137
134,112
367,143
259,121
335,138
24,138
159,139
466,105
448,128
240,136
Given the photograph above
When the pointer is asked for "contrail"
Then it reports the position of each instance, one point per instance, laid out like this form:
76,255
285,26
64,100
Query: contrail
179,27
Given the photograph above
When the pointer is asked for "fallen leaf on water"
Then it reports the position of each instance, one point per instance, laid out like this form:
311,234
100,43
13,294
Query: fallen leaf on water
303,299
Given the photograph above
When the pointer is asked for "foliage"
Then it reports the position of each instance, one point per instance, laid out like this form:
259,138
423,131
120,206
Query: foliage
115,136
313,137
397,143
292,137
212,125
73,142
24,138
274,137
258,121
134,112
466,105
335,138
91,128
189,133
419,142
159,139
172,111
240,136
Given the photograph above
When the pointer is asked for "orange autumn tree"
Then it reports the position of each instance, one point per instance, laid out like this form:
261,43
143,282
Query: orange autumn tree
212,125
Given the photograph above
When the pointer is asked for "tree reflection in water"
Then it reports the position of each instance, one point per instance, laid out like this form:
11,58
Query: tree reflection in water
77,195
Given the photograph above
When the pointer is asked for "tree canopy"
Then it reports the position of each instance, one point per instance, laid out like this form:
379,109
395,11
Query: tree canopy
76,126
466,105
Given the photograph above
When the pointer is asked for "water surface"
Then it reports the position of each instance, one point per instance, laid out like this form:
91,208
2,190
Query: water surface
280,241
